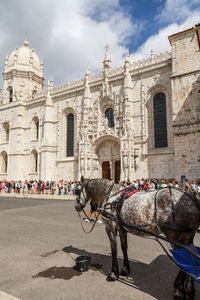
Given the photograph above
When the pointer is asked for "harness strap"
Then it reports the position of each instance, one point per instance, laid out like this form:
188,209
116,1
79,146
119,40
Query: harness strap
172,205
117,205
109,191
157,236
175,227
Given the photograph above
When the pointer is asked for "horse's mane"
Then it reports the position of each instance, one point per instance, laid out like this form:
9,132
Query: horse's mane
97,189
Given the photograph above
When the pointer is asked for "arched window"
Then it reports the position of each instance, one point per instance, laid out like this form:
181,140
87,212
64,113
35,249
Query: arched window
34,163
36,128
70,135
10,91
110,116
6,130
34,93
4,162
160,120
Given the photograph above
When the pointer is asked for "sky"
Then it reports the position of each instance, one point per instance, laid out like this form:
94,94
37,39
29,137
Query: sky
70,34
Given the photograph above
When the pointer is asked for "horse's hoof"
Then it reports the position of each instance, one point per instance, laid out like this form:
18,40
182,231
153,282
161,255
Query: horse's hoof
179,296
111,277
124,272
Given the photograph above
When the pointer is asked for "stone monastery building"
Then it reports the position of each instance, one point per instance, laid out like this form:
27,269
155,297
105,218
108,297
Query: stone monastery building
138,120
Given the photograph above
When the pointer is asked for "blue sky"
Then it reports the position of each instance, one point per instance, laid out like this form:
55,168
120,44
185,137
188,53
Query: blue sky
69,34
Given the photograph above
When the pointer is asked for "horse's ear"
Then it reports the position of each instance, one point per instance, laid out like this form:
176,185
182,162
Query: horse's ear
82,178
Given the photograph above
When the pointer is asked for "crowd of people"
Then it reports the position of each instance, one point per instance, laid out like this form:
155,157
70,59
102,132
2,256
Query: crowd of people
64,187
38,187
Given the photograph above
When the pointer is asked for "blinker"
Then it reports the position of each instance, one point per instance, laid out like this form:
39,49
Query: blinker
77,192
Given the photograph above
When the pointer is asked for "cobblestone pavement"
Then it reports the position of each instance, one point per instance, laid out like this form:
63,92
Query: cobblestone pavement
40,240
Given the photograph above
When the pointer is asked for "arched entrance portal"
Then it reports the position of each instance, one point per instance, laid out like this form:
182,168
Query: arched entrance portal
106,170
108,152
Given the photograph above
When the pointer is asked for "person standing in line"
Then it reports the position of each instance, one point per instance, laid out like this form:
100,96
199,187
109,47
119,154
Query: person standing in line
186,186
72,188
176,185
42,187
59,187
193,187
47,187
65,187
19,185
198,189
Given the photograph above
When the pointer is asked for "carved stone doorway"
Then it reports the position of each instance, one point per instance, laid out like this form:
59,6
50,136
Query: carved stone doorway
108,154
106,170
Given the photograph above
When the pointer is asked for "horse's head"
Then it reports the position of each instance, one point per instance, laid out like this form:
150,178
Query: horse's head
81,195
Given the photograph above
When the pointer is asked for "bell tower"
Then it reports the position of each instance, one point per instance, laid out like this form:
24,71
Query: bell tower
23,75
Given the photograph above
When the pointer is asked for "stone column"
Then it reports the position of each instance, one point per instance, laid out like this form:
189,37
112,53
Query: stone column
48,148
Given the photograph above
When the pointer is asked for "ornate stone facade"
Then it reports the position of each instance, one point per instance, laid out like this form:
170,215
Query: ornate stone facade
104,124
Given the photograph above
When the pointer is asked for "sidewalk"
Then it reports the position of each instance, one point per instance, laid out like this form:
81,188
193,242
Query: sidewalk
39,196
4,296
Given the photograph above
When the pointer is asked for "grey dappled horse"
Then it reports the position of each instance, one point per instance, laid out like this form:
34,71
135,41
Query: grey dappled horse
140,209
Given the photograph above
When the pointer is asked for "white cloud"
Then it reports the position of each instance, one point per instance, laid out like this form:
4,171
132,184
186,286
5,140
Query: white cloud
68,34
159,42
177,10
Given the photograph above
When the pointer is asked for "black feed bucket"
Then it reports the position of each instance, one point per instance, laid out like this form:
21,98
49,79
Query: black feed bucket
83,263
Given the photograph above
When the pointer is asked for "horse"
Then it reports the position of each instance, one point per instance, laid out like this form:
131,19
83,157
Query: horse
170,212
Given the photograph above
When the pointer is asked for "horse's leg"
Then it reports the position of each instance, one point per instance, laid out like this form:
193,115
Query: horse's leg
126,267
183,287
114,274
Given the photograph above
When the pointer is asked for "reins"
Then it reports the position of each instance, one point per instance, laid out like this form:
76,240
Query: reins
107,197
87,232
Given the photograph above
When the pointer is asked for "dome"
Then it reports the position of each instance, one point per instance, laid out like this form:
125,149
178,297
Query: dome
24,58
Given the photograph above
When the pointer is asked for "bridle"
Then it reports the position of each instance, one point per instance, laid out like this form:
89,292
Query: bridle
78,192
81,206
78,198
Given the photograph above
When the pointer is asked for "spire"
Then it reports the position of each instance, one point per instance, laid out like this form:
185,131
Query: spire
6,61
41,65
127,56
106,62
106,53
51,83
26,43
87,74
127,62
87,93
49,88
152,54
127,79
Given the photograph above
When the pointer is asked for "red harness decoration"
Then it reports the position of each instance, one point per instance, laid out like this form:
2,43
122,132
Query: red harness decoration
129,194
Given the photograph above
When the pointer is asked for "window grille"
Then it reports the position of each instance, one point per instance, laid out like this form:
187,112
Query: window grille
70,135
10,95
160,121
37,129
36,161
110,117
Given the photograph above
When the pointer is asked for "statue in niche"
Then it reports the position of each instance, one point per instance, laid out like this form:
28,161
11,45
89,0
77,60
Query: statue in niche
125,161
82,164
88,164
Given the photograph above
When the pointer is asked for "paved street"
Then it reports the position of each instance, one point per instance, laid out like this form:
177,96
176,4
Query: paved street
40,239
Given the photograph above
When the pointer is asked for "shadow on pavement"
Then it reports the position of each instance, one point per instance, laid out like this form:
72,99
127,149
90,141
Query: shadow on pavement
155,279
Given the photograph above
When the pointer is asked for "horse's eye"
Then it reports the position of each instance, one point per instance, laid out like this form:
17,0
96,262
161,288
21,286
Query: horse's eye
77,192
